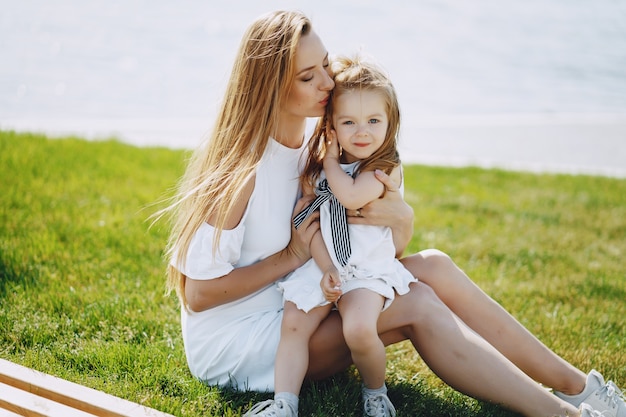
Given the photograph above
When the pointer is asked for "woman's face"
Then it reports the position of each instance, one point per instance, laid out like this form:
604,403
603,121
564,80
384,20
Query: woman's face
313,82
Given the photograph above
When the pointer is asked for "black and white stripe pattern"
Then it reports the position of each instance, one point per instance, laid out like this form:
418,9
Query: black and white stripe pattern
338,220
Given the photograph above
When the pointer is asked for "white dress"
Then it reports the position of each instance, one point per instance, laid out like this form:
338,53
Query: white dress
235,344
371,265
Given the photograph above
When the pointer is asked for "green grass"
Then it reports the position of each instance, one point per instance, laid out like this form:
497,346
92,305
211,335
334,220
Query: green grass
82,275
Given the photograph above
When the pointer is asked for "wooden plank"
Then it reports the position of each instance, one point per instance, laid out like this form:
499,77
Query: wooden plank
30,405
7,413
71,394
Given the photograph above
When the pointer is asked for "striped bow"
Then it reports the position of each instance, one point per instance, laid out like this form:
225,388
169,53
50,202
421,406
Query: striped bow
338,220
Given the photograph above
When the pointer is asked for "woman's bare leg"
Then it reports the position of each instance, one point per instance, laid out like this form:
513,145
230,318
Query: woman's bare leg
459,356
486,317
463,359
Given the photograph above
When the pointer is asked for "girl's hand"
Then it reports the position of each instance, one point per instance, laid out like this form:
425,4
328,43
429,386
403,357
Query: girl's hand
300,243
390,210
331,285
332,145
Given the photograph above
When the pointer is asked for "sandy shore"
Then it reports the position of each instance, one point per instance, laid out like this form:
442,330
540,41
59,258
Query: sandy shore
582,144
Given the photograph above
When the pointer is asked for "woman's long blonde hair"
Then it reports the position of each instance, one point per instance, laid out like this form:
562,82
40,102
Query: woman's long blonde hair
357,74
217,173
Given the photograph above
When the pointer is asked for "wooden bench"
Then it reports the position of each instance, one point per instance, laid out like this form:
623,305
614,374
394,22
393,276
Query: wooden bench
29,393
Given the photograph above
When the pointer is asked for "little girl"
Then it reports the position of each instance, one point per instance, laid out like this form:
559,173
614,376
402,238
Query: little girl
357,264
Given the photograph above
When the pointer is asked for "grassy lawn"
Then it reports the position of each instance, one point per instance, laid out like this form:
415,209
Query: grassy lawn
82,274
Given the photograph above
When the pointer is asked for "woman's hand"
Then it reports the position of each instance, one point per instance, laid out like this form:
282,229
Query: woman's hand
300,243
331,285
390,210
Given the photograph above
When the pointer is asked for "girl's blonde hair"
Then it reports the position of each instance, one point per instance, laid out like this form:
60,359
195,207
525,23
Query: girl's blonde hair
259,84
357,74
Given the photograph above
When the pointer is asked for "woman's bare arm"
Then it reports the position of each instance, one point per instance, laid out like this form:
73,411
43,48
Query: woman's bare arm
240,282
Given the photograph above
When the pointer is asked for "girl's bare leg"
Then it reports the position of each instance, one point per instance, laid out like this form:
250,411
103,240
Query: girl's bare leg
328,351
292,356
359,310
486,317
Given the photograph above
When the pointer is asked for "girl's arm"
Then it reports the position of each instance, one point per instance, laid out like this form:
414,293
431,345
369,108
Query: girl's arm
352,193
240,282
319,252
330,281
318,248
390,210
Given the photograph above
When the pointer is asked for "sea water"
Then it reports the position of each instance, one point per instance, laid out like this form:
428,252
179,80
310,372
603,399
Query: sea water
534,83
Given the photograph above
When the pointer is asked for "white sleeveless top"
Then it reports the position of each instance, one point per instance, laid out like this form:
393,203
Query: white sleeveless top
235,344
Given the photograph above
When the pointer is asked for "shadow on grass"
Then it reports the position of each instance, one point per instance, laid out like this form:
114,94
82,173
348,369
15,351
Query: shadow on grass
13,273
601,288
340,396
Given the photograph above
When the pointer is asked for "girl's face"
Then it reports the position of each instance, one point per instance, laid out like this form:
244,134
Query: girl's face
312,85
360,121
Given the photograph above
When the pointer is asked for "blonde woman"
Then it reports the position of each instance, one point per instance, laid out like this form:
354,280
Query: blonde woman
232,239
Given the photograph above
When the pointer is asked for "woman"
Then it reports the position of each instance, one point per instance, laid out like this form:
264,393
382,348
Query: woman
232,240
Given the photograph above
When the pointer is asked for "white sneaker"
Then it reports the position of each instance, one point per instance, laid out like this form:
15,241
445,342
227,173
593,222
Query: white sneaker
378,405
606,398
271,408
587,411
